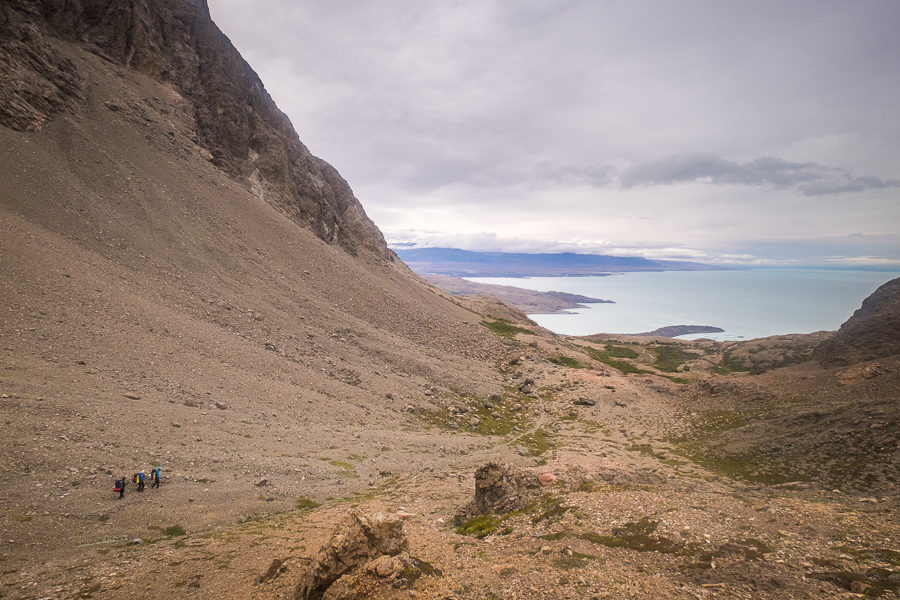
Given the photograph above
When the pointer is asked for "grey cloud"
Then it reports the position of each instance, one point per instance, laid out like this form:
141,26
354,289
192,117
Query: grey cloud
508,116
807,178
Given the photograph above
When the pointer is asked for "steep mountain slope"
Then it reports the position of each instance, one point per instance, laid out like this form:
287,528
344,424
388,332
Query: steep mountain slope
233,118
233,319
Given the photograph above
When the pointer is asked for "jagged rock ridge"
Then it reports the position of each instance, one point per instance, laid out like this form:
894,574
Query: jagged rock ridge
176,41
872,332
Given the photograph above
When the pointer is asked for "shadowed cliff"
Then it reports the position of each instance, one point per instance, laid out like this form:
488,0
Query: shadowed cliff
175,41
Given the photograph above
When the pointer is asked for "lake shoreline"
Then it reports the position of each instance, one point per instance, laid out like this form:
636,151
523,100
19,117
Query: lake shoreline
745,304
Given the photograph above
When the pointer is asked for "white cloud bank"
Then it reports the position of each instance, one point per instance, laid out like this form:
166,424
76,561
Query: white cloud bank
727,131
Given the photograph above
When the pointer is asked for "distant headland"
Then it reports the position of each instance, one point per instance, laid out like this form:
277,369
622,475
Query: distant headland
466,263
676,330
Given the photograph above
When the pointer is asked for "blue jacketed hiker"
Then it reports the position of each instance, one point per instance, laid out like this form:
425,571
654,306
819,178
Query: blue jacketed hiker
154,475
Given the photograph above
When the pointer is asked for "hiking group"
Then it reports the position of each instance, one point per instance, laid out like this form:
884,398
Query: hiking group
140,479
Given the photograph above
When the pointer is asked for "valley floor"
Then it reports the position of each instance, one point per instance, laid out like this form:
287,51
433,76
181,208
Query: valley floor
634,511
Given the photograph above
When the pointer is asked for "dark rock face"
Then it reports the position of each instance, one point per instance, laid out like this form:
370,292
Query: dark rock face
36,81
500,488
176,41
872,332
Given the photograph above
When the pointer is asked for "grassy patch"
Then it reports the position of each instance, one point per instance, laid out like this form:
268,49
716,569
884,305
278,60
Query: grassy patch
671,356
606,358
505,328
638,535
347,470
565,361
416,569
700,446
307,504
559,535
537,442
480,526
620,351
173,531
548,508
499,419
575,560
755,359
553,510
753,467
645,449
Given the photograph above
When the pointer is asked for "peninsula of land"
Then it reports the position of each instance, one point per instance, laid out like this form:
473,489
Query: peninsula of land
676,330
528,301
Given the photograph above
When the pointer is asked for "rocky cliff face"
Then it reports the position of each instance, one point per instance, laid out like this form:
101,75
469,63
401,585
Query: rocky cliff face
872,332
177,42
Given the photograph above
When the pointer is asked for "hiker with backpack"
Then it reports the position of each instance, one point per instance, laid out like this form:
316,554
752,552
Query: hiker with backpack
120,487
154,476
139,478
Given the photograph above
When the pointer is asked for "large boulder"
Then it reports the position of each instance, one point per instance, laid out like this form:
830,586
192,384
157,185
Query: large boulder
500,488
355,542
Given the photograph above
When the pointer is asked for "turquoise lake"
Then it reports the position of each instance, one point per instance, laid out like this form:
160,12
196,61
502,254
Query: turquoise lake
746,303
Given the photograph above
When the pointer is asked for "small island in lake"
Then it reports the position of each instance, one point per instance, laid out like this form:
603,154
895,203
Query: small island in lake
676,330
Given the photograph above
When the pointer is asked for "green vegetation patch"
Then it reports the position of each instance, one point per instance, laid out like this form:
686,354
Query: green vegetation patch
755,359
638,536
173,531
537,442
565,361
671,356
499,419
552,510
559,535
549,508
307,504
480,526
416,569
754,467
347,469
620,351
701,446
574,560
505,328
606,358
645,449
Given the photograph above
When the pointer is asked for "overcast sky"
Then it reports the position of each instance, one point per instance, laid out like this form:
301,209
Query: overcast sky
712,130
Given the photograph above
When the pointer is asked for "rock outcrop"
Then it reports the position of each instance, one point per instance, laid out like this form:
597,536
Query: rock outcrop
500,488
872,332
354,544
176,41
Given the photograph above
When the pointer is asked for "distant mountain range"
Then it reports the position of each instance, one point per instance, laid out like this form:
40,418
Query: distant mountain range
465,263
